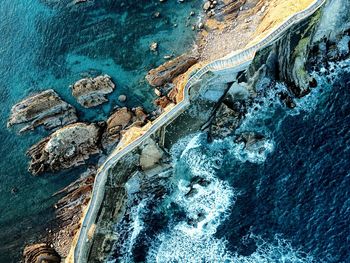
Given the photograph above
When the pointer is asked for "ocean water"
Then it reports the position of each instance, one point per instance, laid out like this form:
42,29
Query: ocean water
286,199
52,44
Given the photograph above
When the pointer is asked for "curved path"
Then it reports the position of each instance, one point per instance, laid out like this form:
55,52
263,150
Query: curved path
82,247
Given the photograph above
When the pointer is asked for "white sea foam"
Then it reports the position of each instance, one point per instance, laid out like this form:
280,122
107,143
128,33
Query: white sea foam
178,246
208,206
256,153
278,250
135,229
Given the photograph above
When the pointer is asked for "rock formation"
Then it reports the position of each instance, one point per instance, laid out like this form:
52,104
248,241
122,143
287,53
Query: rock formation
40,253
44,109
91,92
120,120
69,210
150,155
169,70
67,147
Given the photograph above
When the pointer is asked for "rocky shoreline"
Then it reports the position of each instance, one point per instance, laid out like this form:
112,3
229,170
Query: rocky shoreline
73,142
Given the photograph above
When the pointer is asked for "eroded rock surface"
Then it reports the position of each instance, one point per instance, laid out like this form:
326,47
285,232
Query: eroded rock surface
171,69
150,155
91,92
40,253
69,210
45,109
67,147
120,120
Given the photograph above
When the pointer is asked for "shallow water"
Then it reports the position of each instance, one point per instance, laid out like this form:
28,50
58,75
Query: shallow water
52,46
286,200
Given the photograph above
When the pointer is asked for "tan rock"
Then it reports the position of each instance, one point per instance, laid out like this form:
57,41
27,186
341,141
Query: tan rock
120,120
150,155
67,147
162,102
45,109
91,92
69,210
169,70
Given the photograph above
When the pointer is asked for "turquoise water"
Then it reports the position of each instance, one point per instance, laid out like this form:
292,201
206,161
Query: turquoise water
53,45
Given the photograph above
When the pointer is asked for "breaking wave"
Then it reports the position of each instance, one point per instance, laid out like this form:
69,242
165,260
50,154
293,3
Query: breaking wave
206,201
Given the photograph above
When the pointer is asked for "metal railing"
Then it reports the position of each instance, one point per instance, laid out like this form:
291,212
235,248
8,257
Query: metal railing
82,247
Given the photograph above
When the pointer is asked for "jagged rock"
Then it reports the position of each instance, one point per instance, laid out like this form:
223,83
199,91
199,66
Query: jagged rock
225,121
120,120
150,155
237,92
169,70
162,102
91,92
40,253
67,147
44,109
249,139
69,210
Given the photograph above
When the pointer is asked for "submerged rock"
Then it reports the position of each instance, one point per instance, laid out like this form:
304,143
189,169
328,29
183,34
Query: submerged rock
40,253
45,109
67,147
171,69
91,92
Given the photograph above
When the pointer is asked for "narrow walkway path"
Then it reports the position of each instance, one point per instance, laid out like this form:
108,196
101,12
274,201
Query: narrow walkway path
83,245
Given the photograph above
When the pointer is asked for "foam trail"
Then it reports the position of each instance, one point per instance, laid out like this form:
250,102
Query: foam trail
206,207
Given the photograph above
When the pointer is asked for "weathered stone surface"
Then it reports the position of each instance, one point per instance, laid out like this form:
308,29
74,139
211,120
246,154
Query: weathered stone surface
69,210
162,102
120,120
225,121
44,109
67,147
169,70
249,139
40,253
150,155
91,92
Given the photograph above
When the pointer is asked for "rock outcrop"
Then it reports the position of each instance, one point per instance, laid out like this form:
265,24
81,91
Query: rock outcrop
150,155
225,121
91,92
67,147
69,210
45,109
249,139
171,69
120,120
40,253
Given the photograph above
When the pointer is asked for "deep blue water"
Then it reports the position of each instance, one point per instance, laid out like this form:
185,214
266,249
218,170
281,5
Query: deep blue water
52,46
285,200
